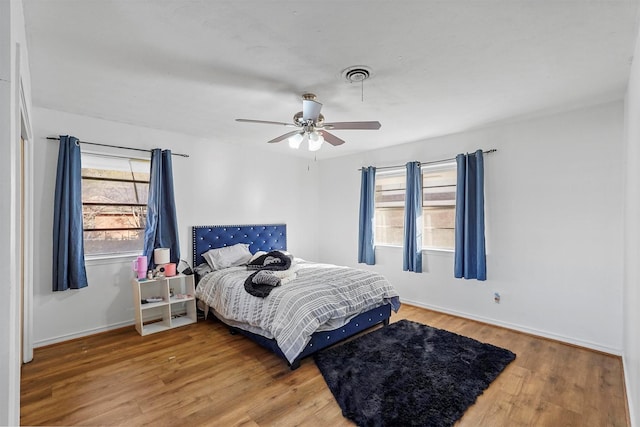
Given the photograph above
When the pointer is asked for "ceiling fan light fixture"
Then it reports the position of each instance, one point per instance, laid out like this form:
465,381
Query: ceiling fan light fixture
295,141
315,141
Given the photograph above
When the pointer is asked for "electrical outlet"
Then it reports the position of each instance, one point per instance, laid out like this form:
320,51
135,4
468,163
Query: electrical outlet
496,297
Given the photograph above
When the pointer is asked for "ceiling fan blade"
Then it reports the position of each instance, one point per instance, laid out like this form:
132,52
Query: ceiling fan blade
285,136
310,109
353,125
266,122
331,138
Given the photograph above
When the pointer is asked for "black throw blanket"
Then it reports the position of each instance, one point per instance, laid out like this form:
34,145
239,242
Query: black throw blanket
274,261
261,283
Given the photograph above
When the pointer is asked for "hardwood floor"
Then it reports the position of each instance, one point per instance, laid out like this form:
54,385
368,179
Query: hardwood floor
201,375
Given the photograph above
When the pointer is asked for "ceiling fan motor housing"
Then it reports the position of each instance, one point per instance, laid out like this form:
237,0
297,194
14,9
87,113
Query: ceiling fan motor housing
298,120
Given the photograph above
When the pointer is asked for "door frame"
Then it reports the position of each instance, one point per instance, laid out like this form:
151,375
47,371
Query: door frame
26,223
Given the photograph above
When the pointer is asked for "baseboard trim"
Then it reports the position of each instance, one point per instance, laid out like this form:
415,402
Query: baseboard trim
520,328
81,334
631,416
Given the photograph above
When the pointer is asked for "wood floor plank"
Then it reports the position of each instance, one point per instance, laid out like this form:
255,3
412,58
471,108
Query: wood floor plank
202,375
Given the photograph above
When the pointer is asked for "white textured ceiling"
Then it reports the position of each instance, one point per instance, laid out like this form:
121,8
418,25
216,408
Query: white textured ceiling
438,67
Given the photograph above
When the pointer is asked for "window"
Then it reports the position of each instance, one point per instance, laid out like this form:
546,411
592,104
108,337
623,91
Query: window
389,203
114,203
438,206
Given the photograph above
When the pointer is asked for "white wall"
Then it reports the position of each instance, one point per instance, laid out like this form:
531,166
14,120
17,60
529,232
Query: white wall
554,225
631,355
219,184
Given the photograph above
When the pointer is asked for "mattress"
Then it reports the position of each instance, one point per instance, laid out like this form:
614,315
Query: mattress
321,297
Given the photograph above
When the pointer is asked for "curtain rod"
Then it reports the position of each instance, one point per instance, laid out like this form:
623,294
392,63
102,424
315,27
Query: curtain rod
493,150
116,146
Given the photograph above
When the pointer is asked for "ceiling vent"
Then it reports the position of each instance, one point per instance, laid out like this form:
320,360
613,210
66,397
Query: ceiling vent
356,74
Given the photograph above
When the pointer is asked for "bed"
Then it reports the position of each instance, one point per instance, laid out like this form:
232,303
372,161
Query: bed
222,294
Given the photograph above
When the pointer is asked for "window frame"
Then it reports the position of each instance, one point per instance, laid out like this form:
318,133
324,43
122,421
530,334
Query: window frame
143,206
425,168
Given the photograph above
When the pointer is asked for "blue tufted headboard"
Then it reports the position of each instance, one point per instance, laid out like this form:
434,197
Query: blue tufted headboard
261,237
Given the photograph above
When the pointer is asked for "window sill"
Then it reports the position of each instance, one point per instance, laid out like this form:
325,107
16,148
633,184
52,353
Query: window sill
432,250
109,259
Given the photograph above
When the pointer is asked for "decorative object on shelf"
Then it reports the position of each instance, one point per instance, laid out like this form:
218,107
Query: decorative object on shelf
151,299
158,273
170,269
164,266
140,266
161,256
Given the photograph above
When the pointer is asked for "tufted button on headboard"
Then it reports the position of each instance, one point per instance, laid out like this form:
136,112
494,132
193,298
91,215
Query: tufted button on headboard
260,237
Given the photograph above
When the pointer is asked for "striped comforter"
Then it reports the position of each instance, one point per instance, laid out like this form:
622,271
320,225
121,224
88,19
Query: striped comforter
320,294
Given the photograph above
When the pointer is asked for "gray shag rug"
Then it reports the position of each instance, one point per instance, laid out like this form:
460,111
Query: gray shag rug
410,374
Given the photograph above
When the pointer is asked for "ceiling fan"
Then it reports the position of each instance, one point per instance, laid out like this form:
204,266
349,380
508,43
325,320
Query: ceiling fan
311,127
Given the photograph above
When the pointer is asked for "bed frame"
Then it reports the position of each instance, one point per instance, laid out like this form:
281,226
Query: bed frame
267,237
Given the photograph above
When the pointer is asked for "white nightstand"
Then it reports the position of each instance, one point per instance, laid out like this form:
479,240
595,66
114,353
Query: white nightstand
176,308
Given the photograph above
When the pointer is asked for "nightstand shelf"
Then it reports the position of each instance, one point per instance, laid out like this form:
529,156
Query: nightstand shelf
172,311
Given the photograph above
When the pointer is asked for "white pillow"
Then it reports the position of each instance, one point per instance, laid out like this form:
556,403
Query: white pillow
228,256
